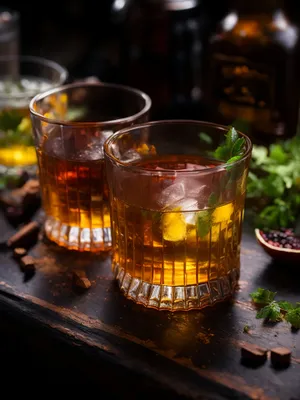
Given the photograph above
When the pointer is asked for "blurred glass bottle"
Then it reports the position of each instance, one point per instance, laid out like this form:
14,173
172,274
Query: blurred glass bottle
161,52
251,70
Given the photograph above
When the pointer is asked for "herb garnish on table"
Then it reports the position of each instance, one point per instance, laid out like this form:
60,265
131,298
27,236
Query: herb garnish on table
274,184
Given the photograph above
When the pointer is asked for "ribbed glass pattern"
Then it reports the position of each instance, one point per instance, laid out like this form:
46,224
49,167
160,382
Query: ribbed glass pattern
191,272
75,199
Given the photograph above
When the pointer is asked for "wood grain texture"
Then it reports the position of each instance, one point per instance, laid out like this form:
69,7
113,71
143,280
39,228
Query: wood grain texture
188,355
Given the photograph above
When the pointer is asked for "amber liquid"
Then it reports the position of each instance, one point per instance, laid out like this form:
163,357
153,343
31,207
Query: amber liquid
75,199
166,248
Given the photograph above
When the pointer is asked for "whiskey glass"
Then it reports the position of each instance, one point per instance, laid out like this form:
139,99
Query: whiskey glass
21,78
176,213
70,125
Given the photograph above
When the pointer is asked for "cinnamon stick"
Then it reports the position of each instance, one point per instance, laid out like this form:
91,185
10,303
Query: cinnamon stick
28,230
22,233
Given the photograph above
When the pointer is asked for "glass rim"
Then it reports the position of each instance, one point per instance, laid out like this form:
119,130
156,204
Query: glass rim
143,171
54,65
82,84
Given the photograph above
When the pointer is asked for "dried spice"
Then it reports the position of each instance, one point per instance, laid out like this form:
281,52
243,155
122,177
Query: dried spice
19,252
281,357
253,354
28,232
27,263
80,280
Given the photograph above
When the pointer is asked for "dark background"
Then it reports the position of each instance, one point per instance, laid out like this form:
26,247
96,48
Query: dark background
88,39
91,39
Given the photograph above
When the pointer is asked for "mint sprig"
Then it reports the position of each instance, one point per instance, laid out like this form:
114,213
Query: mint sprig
262,296
274,185
272,310
229,151
233,147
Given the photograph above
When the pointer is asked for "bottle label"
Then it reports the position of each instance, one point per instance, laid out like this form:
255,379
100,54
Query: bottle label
246,90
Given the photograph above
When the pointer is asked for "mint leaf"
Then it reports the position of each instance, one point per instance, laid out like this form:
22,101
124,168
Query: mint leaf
231,148
204,222
212,200
205,138
278,154
260,155
285,305
231,137
238,146
276,311
274,182
293,317
262,296
270,312
222,153
232,160
274,185
279,214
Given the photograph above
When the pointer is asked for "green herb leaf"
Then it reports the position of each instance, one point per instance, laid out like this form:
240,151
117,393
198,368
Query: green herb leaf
259,154
204,137
274,185
212,200
238,146
278,154
231,137
277,215
270,312
276,311
246,329
285,305
76,113
10,120
274,180
222,153
293,317
231,148
232,160
204,222
262,296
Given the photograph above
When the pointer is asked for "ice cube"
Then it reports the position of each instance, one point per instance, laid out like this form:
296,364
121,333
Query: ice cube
56,147
90,153
170,195
185,205
130,156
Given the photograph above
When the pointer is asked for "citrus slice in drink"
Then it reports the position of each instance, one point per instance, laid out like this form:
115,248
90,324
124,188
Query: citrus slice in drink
223,213
174,226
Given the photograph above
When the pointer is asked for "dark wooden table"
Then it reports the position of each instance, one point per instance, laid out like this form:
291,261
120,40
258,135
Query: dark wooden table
129,350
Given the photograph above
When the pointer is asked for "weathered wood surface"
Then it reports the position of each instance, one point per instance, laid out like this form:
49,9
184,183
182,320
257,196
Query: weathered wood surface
194,354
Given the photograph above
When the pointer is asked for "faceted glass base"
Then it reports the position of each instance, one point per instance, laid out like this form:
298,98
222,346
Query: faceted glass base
176,298
75,238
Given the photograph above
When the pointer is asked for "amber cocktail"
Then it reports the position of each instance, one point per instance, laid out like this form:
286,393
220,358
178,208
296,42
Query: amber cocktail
70,125
177,213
